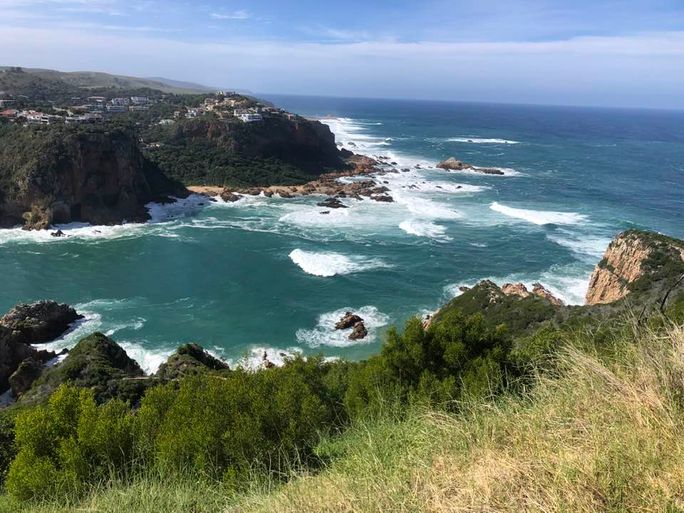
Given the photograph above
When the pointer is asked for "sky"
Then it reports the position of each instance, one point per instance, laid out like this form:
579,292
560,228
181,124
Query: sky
584,52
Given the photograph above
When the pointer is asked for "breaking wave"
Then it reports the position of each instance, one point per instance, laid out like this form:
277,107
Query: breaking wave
539,217
330,264
480,140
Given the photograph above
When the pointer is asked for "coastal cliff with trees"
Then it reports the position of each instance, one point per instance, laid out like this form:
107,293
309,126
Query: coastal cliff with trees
489,390
96,148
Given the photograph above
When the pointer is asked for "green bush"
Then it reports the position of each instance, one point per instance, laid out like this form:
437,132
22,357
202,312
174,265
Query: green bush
459,356
68,443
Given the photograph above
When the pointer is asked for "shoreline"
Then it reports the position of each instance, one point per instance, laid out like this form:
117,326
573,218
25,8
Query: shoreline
326,184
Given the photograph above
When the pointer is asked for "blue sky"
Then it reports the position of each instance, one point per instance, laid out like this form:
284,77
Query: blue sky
612,53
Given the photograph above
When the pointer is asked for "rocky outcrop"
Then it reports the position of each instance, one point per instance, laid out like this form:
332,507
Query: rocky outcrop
189,359
56,174
347,321
22,326
353,321
331,203
14,351
26,374
95,362
539,290
40,322
636,261
359,331
520,290
453,164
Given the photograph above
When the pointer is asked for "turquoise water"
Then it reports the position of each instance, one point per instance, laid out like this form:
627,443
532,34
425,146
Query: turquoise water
273,274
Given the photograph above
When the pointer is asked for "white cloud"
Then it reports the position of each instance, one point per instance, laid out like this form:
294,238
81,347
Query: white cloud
235,15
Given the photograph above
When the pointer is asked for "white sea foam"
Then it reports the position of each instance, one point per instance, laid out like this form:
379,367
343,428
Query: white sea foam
540,217
588,247
253,360
325,334
481,140
148,359
331,264
424,229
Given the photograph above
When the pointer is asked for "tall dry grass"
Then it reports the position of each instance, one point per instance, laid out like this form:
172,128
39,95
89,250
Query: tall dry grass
602,432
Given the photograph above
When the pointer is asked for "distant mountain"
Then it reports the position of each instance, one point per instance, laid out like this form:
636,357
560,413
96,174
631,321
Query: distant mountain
98,80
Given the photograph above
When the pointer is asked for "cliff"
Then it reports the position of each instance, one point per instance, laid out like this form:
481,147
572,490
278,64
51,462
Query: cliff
276,150
639,262
58,174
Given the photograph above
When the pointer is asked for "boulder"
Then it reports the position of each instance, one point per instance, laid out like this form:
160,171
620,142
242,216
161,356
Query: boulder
384,198
229,196
332,203
347,321
359,331
39,322
187,360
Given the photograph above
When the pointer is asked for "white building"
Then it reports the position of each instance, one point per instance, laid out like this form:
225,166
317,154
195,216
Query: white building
247,116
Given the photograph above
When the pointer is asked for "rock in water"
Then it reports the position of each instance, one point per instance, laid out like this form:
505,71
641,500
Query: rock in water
359,331
348,321
453,164
40,322
229,196
332,203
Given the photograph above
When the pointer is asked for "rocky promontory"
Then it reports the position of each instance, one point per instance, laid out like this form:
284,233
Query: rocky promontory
61,174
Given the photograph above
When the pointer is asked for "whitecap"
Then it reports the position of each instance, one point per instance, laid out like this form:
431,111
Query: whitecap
481,140
539,217
330,264
424,229
325,334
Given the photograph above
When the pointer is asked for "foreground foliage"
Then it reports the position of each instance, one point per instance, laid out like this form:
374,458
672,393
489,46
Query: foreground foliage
600,429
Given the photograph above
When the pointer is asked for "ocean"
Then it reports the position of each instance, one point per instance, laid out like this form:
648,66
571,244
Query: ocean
274,275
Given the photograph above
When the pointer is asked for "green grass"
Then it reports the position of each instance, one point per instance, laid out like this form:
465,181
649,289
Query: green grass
597,430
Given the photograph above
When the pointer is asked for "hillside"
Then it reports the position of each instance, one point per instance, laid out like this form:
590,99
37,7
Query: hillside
51,81
507,401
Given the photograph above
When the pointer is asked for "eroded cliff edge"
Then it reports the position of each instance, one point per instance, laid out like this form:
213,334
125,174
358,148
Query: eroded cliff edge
53,175
636,261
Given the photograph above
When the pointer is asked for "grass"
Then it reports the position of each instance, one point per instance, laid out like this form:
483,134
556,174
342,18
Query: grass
599,430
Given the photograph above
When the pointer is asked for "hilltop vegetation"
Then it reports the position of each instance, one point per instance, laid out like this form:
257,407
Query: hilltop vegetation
503,403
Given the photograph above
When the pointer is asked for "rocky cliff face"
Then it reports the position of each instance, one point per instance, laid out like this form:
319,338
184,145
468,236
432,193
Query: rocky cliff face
635,261
229,152
51,175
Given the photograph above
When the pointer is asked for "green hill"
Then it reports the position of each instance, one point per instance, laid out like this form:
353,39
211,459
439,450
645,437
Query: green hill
77,81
